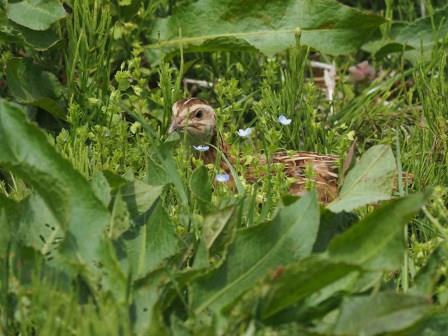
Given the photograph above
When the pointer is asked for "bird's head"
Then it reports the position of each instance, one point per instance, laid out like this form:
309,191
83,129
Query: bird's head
195,117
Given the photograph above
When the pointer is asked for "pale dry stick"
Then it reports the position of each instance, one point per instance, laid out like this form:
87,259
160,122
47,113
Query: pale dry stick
329,79
198,82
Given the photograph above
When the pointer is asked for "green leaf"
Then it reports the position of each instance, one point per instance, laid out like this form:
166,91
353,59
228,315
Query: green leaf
214,224
29,84
149,294
25,151
380,313
376,242
17,34
332,224
201,188
120,221
113,278
256,250
370,181
9,211
416,39
269,26
162,170
39,40
40,229
300,280
140,197
153,244
101,188
36,14
434,324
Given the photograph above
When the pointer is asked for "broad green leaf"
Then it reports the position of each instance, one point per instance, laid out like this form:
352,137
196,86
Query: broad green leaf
153,244
269,26
17,34
25,150
140,197
214,224
149,294
113,278
376,242
424,32
256,250
415,39
300,280
380,313
8,217
40,229
370,181
332,224
29,84
433,324
321,302
101,188
120,218
36,14
39,40
201,188
162,170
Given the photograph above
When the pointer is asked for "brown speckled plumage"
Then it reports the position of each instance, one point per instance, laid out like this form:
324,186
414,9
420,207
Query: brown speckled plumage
297,165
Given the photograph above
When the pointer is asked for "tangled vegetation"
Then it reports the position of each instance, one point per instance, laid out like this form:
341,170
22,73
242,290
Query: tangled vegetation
111,225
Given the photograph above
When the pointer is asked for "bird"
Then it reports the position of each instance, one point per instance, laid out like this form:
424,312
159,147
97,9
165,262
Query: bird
196,119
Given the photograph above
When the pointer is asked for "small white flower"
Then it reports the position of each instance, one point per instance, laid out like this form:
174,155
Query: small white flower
244,133
222,178
283,120
201,148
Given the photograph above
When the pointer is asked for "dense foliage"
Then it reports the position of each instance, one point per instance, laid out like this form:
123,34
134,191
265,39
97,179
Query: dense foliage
110,226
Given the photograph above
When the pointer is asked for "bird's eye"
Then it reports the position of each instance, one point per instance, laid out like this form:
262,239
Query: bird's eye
198,114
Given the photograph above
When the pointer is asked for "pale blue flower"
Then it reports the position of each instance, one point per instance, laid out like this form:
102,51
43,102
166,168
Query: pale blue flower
244,133
201,148
222,177
283,120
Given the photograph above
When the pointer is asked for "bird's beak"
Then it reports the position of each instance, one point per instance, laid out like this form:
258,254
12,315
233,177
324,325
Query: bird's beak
176,125
172,128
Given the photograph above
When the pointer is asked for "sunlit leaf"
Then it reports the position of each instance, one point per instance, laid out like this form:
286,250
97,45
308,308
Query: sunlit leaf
25,150
120,218
300,280
30,84
214,224
376,242
162,170
415,39
40,229
256,250
152,244
380,313
36,14
39,40
8,216
149,294
201,188
370,181
269,26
